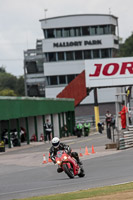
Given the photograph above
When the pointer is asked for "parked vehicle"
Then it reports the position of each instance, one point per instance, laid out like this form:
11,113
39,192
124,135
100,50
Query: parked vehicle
69,164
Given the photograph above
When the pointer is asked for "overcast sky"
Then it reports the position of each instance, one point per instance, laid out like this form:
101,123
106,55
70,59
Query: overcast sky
20,26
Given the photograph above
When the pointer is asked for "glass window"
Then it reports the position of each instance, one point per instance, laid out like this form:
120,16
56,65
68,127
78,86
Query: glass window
103,29
39,66
66,32
78,55
70,77
104,53
85,30
48,80
96,53
52,57
94,30
77,31
62,79
69,55
87,54
31,67
113,29
116,41
33,91
53,80
50,33
72,32
45,33
60,56
58,33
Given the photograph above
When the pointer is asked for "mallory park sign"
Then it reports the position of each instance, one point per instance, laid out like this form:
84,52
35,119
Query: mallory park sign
77,43
109,72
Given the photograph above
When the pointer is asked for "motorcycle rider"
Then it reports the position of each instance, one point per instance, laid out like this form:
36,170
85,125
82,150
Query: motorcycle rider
56,146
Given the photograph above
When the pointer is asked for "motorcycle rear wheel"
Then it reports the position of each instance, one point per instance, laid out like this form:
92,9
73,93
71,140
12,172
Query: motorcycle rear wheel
82,173
68,171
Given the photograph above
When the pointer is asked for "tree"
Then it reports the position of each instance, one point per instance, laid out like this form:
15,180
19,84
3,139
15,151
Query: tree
7,92
20,86
10,85
2,69
126,49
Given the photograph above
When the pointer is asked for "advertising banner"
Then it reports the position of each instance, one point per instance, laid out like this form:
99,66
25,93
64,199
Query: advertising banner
109,72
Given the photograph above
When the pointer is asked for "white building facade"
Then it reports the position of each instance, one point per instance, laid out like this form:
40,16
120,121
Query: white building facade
69,41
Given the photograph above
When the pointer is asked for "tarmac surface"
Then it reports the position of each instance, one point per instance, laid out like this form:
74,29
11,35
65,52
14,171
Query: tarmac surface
33,154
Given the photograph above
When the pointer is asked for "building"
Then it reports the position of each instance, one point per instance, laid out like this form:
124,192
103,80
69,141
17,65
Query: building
31,114
68,41
34,72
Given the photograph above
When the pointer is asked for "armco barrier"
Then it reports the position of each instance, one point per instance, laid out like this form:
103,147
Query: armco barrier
127,140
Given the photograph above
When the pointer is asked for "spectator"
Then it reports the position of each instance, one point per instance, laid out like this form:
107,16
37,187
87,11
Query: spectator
123,115
108,119
48,130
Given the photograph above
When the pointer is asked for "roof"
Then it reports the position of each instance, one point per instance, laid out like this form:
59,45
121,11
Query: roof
79,15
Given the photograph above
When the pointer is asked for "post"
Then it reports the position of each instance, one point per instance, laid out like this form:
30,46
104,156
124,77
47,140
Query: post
44,132
27,130
52,122
96,108
18,130
35,124
60,134
9,138
117,122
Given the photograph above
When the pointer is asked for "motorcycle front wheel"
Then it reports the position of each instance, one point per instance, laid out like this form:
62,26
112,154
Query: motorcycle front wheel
68,171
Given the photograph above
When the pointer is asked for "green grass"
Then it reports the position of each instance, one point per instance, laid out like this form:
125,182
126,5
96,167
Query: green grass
86,193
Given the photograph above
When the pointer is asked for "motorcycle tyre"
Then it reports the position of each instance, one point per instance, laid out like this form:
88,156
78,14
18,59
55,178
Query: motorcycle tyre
67,171
82,173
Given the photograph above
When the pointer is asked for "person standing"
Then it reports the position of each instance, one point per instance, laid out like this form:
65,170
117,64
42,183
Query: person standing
108,119
123,115
48,130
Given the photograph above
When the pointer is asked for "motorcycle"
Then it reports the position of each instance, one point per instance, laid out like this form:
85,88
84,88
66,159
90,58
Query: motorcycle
69,164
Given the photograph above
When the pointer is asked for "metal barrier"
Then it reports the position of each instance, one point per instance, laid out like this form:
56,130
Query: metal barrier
127,140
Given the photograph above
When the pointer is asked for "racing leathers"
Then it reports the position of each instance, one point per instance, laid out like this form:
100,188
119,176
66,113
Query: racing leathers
53,152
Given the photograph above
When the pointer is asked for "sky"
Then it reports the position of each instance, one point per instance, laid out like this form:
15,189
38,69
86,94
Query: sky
20,26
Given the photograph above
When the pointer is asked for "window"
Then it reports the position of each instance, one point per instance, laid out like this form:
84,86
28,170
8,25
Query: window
69,55
62,79
96,53
50,33
78,55
52,57
72,32
31,67
105,53
66,32
39,66
94,30
113,29
60,56
70,78
116,41
87,54
103,29
77,31
53,80
85,30
58,33
45,33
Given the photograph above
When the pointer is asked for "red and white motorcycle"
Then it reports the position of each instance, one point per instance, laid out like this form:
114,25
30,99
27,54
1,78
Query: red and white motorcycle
69,164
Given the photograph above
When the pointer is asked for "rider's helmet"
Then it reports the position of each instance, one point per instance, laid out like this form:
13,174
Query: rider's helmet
55,142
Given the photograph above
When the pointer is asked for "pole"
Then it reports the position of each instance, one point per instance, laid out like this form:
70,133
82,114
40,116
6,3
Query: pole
96,108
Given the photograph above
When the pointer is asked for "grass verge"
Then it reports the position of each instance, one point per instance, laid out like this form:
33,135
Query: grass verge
95,192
